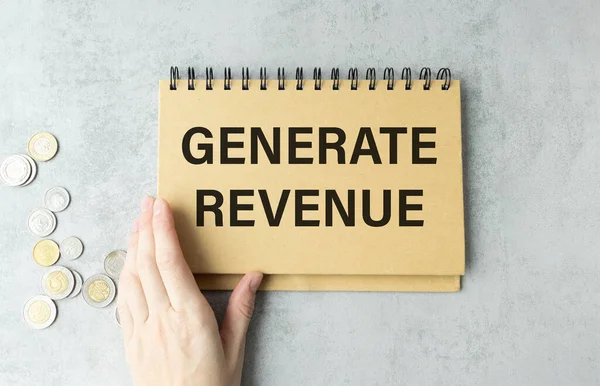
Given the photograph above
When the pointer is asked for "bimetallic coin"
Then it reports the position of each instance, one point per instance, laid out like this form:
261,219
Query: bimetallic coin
46,253
42,222
99,291
33,169
78,284
117,317
39,312
71,248
114,263
58,282
42,146
15,170
57,199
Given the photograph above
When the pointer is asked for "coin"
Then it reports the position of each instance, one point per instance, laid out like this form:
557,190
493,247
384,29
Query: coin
117,317
78,284
114,262
42,222
39,312
71,248
99,291
46,253
15,170
58,282
57,199
33,169
42,146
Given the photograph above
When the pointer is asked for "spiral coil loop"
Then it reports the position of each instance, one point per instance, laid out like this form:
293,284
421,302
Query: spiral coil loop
444,73
245,78
263,78
299,78
227,79
209,78
317,78
335,76
353,76
371,77
407,75
173,77
426,74
388,74
281,78
191,78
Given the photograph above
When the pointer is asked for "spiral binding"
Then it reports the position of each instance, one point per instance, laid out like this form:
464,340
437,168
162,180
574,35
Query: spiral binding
353,76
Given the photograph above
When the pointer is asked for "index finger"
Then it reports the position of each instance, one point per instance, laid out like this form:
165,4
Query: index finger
174,270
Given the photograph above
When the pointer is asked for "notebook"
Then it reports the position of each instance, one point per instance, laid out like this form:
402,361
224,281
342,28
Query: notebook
321,184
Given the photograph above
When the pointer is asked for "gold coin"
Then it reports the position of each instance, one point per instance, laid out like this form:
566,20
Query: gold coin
57,282
99,291
39,312
42,146
46,253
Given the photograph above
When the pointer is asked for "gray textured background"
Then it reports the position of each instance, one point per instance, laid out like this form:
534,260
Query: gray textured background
529,313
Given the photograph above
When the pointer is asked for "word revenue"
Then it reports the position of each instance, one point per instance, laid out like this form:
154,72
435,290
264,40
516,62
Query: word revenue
306,208
327,140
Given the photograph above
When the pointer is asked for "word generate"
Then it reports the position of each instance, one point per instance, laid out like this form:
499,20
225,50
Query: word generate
327,140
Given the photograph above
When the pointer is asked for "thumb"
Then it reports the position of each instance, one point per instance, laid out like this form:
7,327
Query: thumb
237,318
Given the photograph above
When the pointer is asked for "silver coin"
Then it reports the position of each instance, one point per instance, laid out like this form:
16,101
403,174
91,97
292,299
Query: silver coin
42,222
33,169
39,312
71,248
114,263
99,291
78,284
15,170
58,282
57,199
117,317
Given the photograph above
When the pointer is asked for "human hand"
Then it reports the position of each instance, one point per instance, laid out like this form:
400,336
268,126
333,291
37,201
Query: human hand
170,332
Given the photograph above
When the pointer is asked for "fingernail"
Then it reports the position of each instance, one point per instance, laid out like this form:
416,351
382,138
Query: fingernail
255,282
159,204
146,204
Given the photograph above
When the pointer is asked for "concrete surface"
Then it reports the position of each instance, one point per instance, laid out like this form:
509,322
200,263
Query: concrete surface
529,313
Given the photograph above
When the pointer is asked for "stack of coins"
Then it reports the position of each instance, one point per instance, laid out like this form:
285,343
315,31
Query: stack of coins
21,169
58,282
18,170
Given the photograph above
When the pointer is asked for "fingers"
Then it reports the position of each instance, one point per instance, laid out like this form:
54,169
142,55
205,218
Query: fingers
237,318
152,284
132,301
178,280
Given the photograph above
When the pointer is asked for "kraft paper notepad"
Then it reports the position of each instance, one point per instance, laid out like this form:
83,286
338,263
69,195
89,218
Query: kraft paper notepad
320,184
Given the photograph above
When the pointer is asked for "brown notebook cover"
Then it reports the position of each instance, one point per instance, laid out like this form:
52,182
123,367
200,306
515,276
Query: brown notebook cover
320,189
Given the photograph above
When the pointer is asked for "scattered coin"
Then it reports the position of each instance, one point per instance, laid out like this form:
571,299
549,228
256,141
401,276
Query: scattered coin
42,222
42,146
15,170
33,169
78,284
117,317
114,263
58,282
99,290
46,253
71,248
57,199
39,312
